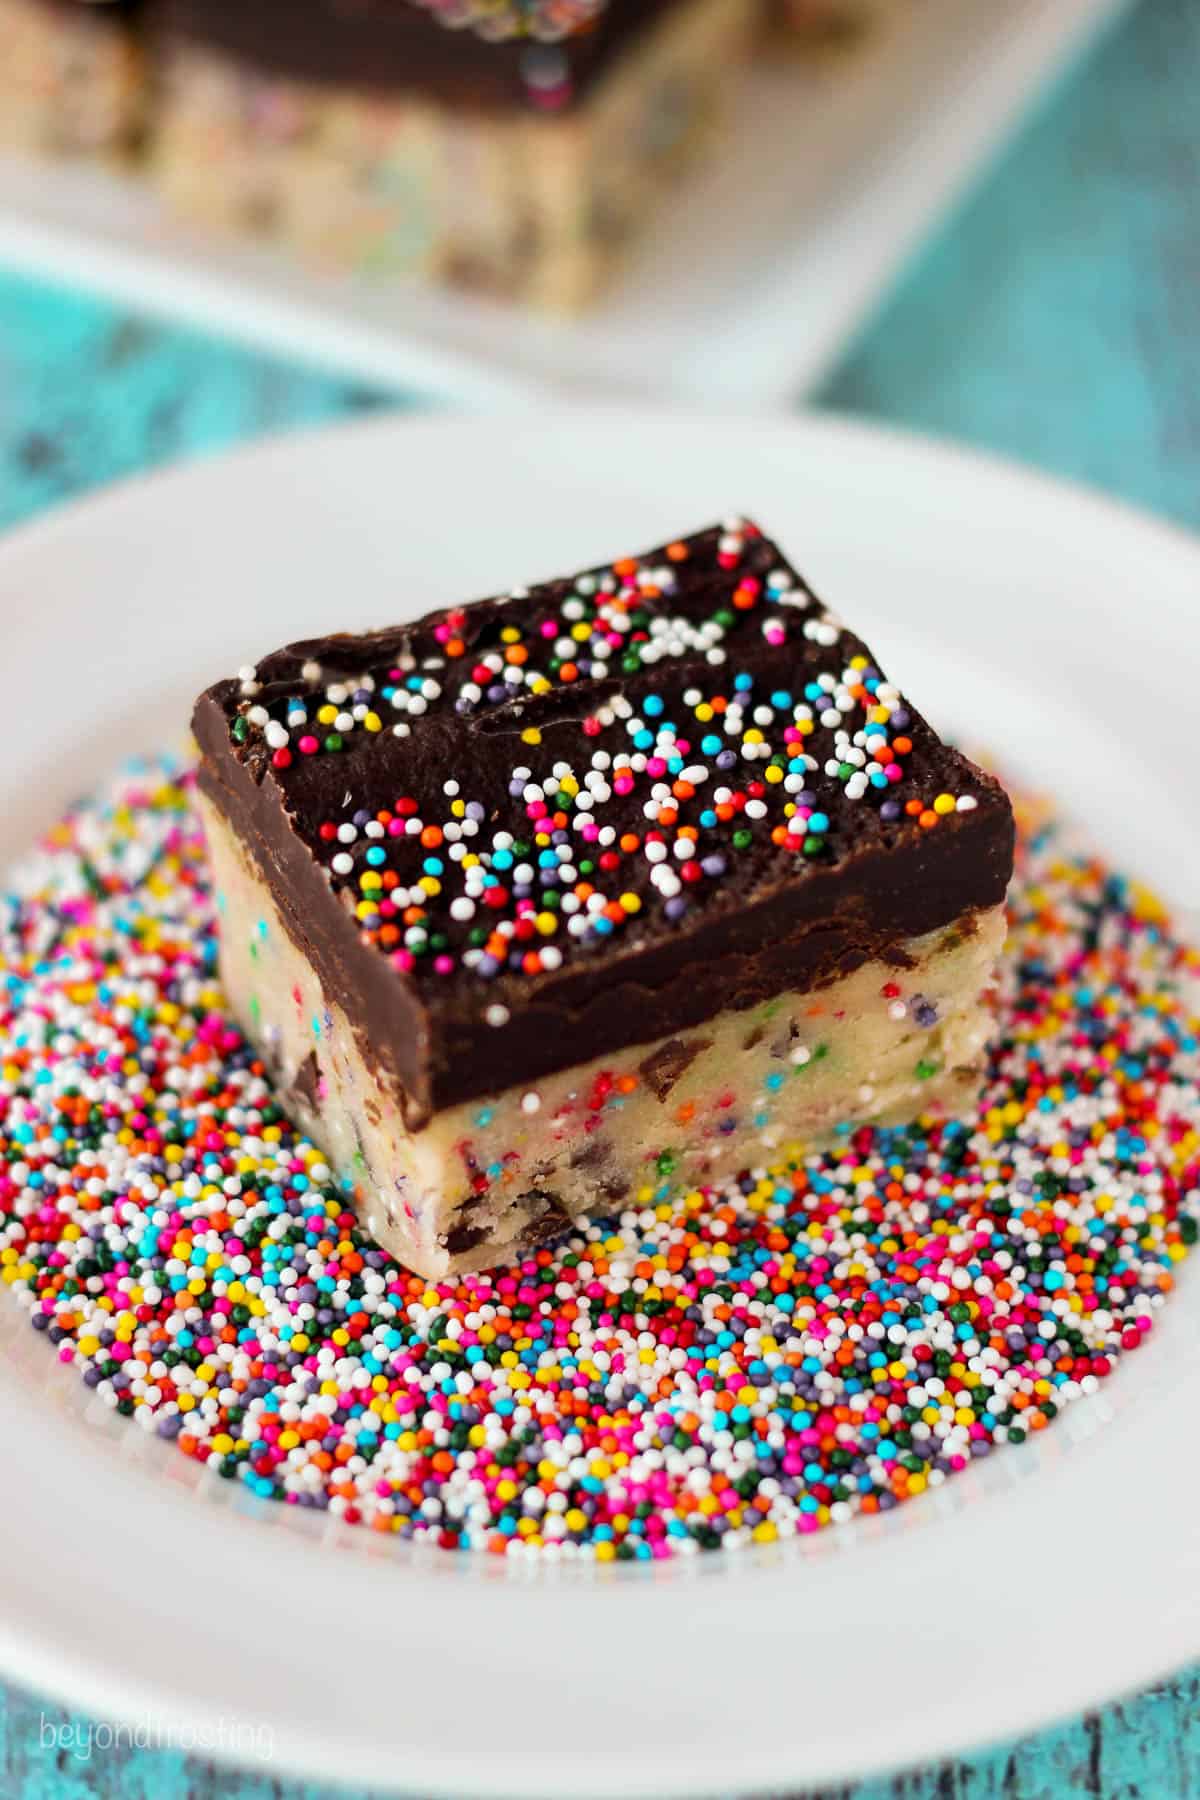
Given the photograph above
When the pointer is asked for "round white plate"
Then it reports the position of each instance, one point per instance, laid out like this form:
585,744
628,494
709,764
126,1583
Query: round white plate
1059,630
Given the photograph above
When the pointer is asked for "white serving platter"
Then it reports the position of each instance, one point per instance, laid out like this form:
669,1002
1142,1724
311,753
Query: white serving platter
1059,629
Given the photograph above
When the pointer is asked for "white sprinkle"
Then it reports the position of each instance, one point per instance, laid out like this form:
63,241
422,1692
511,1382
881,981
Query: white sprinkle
497,1015
531,1103
310,671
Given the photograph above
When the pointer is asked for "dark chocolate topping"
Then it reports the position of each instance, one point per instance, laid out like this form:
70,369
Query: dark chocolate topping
698,690
662,1070
98,9
393,46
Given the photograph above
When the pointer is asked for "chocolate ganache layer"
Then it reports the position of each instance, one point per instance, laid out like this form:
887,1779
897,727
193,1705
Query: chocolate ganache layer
393,45
520,834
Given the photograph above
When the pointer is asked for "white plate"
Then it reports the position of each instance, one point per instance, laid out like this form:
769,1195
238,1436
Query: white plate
775,254
1059,629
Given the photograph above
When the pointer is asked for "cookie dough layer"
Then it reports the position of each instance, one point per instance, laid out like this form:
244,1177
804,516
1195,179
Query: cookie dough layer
538,206
485,1180
70,77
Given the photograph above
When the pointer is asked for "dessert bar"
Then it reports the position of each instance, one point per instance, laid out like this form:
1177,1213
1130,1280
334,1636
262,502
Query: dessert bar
645,875
376,138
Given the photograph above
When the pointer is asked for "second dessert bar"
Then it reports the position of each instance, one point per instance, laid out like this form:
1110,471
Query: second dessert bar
376,138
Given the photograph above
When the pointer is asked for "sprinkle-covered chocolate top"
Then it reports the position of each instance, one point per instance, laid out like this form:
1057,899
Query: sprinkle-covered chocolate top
606,765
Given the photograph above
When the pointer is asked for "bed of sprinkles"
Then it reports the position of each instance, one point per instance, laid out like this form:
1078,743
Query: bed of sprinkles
706,1371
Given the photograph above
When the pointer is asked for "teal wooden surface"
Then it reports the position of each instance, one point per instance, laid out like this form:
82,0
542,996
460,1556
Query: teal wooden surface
89,394
1055,317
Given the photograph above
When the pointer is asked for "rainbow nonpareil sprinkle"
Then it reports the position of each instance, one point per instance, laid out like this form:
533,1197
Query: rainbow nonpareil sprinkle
705,1371
498,20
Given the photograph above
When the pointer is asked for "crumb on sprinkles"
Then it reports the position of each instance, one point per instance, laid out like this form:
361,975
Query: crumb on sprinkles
707,1370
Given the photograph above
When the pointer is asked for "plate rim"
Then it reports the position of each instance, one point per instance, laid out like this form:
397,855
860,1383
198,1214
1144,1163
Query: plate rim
825,434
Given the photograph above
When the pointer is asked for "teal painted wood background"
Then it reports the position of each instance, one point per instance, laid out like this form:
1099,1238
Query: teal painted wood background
1055,318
